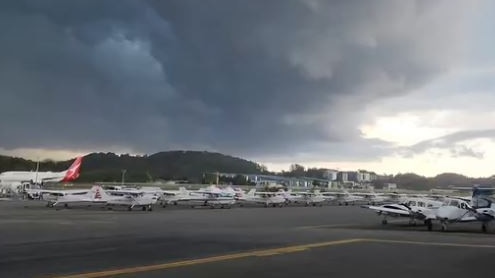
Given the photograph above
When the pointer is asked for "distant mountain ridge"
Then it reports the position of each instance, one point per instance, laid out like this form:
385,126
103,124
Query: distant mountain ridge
162,165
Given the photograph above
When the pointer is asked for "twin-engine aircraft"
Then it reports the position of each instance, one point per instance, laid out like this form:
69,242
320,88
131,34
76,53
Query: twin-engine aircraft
413,208
479,208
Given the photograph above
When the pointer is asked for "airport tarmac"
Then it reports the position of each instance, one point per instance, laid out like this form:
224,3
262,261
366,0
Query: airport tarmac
36,241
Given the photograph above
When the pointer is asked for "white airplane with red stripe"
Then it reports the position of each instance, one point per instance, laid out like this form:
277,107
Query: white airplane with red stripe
66,197
97,195
14,179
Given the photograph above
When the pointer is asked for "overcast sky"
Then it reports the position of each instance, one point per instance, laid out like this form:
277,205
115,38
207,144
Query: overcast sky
390,86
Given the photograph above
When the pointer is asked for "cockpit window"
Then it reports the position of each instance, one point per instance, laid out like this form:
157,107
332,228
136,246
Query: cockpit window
454,203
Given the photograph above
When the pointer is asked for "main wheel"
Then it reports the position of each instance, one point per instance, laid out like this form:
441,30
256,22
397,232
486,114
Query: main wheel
384,222
444,227
429,224
483,228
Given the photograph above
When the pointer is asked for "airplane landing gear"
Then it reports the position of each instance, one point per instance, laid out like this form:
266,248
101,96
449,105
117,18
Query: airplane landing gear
384,221
444,226
429,224
484,227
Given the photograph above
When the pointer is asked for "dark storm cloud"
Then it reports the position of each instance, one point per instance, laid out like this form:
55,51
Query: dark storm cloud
243,77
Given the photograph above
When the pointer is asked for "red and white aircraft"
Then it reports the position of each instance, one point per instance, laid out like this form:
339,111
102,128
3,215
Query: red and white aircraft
13,180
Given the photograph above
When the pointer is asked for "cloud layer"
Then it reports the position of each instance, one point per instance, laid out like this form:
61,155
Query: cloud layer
254,78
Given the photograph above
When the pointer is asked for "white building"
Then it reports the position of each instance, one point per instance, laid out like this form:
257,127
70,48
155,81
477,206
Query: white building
330,174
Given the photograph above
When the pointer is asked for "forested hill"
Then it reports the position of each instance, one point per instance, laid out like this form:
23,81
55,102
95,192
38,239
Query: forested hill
163,165
190,165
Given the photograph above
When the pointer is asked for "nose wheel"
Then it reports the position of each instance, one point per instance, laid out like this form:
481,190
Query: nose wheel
444,226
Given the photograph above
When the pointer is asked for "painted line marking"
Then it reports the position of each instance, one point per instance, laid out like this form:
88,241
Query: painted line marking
449,244
259,253
322,226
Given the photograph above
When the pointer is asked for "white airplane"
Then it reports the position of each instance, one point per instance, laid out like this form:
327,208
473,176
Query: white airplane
478,208
131,198
397,198
216,197
314,198
97,195
15,179
291,197
211,196
65,197
266,198
414,209
175,196
373,198
345,198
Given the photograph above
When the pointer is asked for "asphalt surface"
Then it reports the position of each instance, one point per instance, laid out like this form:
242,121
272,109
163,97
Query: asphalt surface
36,241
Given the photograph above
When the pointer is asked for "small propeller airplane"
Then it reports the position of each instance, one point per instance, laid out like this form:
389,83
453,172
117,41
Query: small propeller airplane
345,198
478,208
266,198
413,208
97,195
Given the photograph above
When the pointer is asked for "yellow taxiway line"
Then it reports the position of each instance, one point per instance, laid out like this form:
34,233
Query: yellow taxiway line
447,244
259,253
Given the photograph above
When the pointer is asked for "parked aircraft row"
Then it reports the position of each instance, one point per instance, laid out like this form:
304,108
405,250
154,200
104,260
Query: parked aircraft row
211,196
429,209
477,208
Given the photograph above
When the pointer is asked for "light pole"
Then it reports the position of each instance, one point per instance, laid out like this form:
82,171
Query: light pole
123,176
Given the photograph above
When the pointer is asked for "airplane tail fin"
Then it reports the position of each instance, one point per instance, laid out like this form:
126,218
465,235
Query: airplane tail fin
97,193
183,191
74,170
251,192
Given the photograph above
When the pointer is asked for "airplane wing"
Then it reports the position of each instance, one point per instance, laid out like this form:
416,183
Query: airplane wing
69,191
304,193
390,209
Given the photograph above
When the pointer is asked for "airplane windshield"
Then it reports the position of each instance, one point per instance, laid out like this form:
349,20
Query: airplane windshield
454,203
481,203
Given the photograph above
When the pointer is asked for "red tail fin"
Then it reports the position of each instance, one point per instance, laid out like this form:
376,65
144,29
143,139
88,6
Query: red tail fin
74,170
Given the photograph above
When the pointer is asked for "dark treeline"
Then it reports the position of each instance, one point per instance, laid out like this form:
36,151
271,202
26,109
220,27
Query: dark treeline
172,165
197,167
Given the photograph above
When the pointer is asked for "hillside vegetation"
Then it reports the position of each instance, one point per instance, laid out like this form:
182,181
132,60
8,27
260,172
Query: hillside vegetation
192,166
172,165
